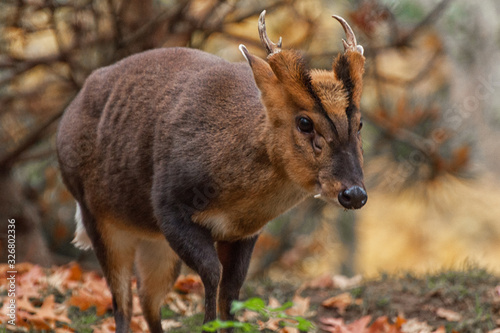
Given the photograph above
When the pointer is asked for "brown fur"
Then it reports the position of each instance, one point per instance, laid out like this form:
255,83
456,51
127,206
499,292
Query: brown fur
180,144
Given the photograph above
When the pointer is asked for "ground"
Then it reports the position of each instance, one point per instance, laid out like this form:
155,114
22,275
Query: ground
67,299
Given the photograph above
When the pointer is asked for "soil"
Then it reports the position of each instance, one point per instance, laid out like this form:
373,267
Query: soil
474,294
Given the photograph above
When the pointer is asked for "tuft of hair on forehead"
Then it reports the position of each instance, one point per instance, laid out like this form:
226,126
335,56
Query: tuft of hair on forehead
292,71
329,90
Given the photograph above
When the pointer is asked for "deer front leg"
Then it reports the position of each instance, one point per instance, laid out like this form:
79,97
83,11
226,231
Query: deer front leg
195,246
235,259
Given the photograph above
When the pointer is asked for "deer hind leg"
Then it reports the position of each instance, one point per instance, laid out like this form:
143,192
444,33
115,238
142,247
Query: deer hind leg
115,250
158,267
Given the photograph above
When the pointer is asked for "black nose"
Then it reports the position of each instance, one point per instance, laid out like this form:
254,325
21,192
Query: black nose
353,198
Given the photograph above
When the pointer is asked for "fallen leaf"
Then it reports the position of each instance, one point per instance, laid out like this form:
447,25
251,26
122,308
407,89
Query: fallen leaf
448,314
273,303
167,324
45,317
383,325
415,326
66,277
188,284
333,325
340,302
138,324
300,306
106,326
399,321
343,282
23,303
359,325
85,298
247,316
337,325
322,282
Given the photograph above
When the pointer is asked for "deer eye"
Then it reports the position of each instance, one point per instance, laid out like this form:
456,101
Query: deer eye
305,125
360,125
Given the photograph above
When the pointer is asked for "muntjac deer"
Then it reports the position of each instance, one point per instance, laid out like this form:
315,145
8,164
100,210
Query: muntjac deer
175,154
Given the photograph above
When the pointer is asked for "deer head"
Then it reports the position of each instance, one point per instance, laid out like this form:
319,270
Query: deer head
314,117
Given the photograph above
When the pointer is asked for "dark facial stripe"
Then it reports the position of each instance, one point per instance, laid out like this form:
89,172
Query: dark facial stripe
317,102
342,69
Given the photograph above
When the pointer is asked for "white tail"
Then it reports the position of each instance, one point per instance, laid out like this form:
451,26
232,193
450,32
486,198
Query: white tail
81,240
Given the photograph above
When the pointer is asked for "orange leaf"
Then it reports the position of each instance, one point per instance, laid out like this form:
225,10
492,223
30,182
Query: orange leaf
341,302
45,317
399,322
84,299
52,311
382,324
188,284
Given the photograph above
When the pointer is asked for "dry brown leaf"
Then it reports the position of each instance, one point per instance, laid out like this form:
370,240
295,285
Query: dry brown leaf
139,324
415,326
300,306
167,324
247,316
273,303
23,303
52,311
337,325
106,326
323,282
359,325
66,277
343,282
33,277
85,298
45,317
340,302
449,315
189,284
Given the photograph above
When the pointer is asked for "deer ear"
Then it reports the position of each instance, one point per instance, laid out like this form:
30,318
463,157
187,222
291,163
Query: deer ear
263,74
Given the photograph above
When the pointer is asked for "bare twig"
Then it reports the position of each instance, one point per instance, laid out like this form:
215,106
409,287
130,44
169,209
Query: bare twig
10,158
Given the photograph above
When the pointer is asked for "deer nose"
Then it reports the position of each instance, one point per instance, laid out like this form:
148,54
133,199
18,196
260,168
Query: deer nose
353,198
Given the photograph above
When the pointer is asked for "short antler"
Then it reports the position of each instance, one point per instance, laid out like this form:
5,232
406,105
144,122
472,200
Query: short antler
351,43
270,46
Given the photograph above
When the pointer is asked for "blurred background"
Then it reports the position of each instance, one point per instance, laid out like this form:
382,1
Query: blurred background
431,109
